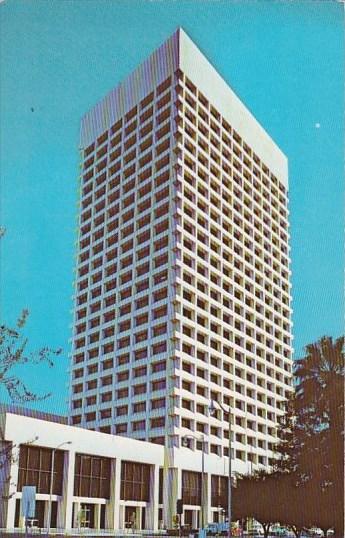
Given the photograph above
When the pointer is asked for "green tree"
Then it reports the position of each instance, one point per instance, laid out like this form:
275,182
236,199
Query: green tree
259,496
319,405
312,434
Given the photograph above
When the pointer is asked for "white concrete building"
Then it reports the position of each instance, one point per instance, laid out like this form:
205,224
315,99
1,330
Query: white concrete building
105,478
183,283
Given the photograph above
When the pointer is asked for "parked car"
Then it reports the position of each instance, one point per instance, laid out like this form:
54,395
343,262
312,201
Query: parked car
281,532
212,529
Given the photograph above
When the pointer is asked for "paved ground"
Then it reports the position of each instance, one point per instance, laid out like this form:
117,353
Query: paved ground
85,534
36,534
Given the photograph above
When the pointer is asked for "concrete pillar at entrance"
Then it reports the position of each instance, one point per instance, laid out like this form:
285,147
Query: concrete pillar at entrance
112,509
97,516
46,511
195,519
207,505
137,523
65,504
122,514
21,518
172,490
75,522
151,516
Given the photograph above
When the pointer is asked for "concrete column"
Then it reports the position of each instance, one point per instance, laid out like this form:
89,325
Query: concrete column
9,481
75,522
195,519
172,489
208,495
110,506
137,524
151,516
97,521
65,505
21,518
179,491
46,512
121,522
117,491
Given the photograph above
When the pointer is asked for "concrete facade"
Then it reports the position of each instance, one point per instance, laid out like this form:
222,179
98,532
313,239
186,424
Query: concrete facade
182,292
22,431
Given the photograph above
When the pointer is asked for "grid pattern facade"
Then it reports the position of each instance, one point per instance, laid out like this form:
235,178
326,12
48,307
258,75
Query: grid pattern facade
182,291
123,297
233,291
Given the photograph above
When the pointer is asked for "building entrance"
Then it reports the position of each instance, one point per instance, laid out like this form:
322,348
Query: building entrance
135,517
86,516
39,513
188,518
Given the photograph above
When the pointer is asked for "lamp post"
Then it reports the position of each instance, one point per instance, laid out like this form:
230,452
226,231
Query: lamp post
202,439
51,482
212,411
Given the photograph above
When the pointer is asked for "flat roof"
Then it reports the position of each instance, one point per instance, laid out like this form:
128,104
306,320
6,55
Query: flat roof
180,52
33,413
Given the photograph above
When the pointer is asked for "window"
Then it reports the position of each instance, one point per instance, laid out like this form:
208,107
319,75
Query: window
105,413
139,407
91,400
158,366
135,481
121,428
122,376
138,425
159,348
219,491
122,410
158,404
107,380
35,469
158,422
158,385
139,389
191,488
140,354
122,393
91,476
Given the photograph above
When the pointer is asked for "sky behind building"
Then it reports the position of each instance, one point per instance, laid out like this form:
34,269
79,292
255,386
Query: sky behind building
284,61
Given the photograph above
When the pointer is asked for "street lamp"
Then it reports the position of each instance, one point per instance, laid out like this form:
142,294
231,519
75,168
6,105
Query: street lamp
51,482
202,440
212,410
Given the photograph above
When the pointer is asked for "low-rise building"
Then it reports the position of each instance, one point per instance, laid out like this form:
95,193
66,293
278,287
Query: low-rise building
100,481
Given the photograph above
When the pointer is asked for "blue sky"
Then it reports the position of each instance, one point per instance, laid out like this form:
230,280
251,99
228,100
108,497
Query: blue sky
58,58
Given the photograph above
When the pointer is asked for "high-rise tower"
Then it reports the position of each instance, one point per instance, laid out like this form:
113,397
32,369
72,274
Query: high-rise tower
182,286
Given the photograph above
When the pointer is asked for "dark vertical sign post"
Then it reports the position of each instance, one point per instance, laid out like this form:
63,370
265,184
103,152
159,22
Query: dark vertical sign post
179,512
